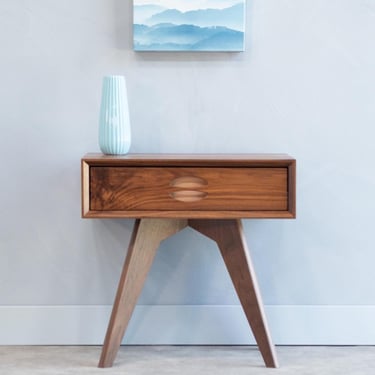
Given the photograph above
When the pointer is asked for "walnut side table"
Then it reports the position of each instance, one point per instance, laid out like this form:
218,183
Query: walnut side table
210,193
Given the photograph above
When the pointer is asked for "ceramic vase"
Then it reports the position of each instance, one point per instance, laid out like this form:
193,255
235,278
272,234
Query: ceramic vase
114,122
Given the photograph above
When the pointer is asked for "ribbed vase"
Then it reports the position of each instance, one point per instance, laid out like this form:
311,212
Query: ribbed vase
114,122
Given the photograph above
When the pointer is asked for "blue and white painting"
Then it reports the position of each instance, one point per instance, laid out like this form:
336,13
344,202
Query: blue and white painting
189,25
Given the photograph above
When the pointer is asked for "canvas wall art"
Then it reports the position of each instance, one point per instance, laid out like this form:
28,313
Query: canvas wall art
189,25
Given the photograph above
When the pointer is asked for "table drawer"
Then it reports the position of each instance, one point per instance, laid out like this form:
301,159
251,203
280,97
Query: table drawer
116,188
189,186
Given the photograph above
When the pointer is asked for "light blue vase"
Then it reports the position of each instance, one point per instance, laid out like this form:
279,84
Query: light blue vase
114,122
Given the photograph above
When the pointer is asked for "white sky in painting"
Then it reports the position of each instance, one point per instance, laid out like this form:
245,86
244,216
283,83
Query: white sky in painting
185,5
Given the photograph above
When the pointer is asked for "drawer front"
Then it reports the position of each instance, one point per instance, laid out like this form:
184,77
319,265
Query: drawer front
188,189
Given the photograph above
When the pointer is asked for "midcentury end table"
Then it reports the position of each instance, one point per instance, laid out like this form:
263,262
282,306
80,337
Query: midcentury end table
166,193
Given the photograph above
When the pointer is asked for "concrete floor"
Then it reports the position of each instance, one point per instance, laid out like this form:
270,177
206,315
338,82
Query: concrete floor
183,360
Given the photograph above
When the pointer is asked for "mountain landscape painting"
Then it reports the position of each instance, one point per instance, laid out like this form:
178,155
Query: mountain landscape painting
189,25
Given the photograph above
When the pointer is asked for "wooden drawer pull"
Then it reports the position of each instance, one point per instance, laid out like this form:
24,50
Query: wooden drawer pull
188,195
188,182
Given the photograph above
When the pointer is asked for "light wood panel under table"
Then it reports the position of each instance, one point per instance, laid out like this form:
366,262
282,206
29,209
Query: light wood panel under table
209,193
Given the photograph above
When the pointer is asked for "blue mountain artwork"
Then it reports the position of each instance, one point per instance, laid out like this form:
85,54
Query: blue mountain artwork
160,29
232,18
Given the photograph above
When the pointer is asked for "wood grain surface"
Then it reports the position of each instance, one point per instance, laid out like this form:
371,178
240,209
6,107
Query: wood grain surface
153,188
188,186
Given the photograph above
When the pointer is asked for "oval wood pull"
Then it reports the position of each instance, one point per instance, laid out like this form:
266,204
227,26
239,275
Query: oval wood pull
188,182
188,195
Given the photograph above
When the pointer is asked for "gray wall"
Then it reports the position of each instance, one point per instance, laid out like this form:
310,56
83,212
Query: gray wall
305,86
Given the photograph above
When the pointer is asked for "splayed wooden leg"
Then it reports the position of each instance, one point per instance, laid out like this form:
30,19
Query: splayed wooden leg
145,240
230,238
